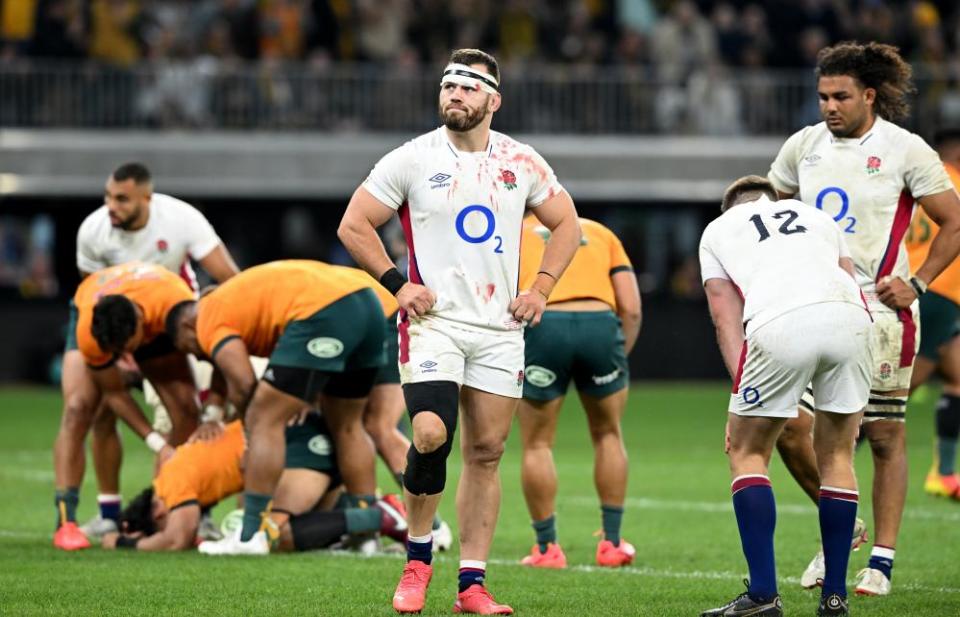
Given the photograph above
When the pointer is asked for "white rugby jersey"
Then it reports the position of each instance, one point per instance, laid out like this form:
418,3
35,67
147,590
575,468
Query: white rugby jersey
175,232
781,255
462,214
868,185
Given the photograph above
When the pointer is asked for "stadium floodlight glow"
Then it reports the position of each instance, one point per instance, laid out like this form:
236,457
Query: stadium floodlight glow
9,184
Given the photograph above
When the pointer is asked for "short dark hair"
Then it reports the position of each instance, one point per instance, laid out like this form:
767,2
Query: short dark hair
137,172
138,515
114,322
173,317
874,65
476,56
744,186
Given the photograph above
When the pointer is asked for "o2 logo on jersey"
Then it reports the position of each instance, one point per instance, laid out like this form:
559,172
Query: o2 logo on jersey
489,226
841,216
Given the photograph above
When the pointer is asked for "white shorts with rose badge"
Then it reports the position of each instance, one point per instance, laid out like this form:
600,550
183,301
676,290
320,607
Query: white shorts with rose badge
433,349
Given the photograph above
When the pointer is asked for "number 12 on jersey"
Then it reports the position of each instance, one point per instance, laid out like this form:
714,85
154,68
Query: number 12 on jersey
785,229
491,227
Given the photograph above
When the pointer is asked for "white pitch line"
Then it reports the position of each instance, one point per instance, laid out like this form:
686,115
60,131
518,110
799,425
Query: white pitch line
643,503
28,475
645,571
28,535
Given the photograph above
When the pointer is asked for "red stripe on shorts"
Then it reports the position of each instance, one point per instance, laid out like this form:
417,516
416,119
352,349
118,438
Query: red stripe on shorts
404,353
739,375
908,343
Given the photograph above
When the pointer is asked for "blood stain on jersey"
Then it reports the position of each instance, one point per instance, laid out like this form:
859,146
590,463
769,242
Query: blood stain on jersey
491,288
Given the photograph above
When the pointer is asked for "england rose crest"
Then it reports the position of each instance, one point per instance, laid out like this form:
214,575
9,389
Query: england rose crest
509,179
873,164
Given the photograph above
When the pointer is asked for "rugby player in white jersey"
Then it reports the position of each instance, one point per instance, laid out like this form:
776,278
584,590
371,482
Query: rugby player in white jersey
134,224
779,280
867,172
461,192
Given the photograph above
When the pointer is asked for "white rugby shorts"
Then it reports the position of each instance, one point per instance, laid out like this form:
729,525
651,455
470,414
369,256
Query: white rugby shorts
433,349
894,345
826,344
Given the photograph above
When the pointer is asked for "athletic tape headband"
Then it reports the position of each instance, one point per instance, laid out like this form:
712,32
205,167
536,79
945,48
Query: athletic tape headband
464,75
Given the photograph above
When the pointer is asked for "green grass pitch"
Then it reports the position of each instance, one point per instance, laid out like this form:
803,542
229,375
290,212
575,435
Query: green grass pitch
678,516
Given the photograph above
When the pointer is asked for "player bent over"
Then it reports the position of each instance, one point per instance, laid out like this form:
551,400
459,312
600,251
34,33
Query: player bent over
590,325
166,516
800,319
460,191
120,310
322,328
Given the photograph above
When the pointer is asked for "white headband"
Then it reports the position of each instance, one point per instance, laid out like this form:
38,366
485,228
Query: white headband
464,75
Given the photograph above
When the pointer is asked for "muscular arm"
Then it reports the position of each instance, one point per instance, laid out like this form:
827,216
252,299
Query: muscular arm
629,309
179,533
944,209
726,310
116,395
559,215
358,232
233,362
782,195
219,264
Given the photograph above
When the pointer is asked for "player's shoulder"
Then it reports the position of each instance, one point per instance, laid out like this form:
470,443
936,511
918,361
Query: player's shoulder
810,135
508,146
170,204
95,222
897,137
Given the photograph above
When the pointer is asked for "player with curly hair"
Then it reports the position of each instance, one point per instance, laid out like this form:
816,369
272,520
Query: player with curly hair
867,173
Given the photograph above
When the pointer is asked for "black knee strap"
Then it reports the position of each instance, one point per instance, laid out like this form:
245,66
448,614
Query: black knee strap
948,417
426,473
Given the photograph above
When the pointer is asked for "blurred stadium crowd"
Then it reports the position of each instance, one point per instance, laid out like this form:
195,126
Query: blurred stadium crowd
175,56
669,36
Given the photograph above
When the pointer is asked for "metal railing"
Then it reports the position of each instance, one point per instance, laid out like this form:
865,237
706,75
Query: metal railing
207,94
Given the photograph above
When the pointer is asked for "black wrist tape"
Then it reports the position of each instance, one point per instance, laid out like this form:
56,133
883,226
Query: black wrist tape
392,280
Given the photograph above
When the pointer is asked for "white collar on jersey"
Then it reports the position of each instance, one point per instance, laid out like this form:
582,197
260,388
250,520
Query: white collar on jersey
464,75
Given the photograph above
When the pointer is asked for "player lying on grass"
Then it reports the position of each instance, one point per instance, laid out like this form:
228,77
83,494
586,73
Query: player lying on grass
166,516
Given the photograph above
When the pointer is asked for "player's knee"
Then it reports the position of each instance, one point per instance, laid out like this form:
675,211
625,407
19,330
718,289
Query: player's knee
433,409
105,424
429,432
793,437
485,453
887,438
602,430
78,412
